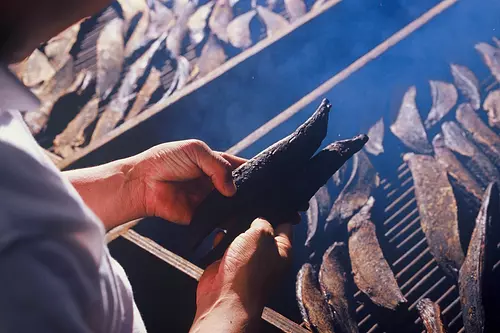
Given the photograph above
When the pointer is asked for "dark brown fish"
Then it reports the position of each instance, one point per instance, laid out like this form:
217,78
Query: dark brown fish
491,57
372,273
476,161
364,178
220,18
475,268
238,30
335,281
444,98
492,106
408,126
430,313
376,134
468,84
438,211
273,22
482,135
144,95
212,56
456,170
313,307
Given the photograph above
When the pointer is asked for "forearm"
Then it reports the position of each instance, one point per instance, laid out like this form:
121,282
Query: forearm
110,191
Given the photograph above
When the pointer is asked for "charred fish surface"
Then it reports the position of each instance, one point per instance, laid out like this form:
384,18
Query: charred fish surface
438,211
482,135
430,313
444,97
408,126
477,162
238,30
372,273
468,84
273,22
456,170
312,305
491,57
364,179
492,106
335,281
376,134
474,269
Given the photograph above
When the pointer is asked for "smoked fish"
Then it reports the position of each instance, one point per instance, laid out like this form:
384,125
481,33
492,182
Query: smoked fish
372,273
313,307
179,30
295,9
198,22
491,57
273,22
492,106
144,95
220,18
336,282
57,48
37,69
212,56
408,126
438,211
376,134
238,30
430,313
444,98
468,84
319,206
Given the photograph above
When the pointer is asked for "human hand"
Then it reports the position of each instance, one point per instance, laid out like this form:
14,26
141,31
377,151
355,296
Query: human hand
175,177
232,291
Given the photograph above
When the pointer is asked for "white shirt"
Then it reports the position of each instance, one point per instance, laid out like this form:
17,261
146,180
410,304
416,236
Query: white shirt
56,273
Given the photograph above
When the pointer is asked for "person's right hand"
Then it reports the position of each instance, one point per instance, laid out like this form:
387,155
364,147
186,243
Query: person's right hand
232,291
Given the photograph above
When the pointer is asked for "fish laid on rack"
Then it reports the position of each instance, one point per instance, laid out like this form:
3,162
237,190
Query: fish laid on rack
459,174
339,178
444,98
60,45
56,87
37,69
144,95
430,313
137,37
220,18
357,191
335,282
212,56
476,266
178,32
438,211
482,135
492,106
110,57
273,22
468,84
318,4
198,22
372,273
238,30
318,208
476,160
117,107
130,8
376,134
161,20
408,126
73,135
181,77
295,9
313,307
491,57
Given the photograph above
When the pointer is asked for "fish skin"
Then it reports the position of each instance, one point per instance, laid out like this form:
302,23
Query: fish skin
372,273
357,191
492,106
295,9
220,18
467,83
212,56
73,134
138,37
110,57
408,126
60,45
37,69
480,132
339,178
274,22
456,170
335,282
491,57
313,307
477,162
430,313
444,98
475,269
198,22
438,211
130,8
376,134
161,20
144,95
312,217
180,29
238,30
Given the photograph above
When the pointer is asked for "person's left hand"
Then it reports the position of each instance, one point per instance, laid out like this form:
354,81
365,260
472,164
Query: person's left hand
175,177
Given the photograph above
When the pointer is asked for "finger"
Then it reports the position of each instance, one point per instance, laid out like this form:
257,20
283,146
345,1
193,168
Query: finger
235,161
218,238
216,167
284,235
261,226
